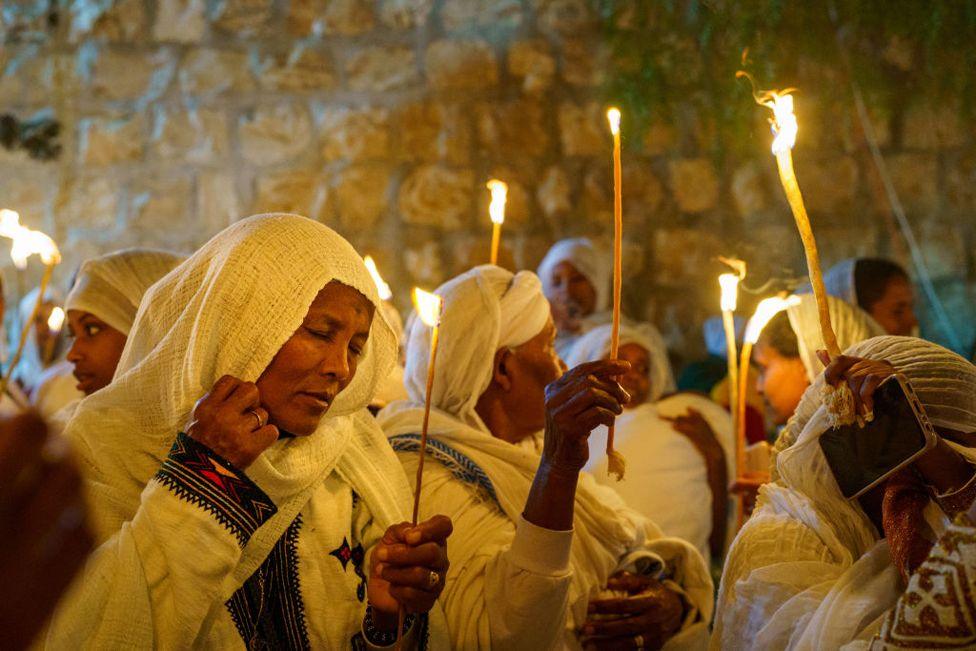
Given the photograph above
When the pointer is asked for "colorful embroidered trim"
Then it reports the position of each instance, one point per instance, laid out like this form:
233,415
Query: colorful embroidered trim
460,465
198,475
268,609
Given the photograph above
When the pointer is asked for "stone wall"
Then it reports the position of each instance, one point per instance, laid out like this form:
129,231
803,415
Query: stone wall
385,118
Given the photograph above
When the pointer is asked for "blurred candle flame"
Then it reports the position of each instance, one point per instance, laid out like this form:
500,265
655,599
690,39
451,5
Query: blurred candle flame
56,320
381,286
428,307
730,291
613,117
765,311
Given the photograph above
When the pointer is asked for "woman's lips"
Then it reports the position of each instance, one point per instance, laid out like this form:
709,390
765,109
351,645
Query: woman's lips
321,400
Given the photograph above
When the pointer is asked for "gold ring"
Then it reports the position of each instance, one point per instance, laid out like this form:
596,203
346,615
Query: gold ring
639,642
256,415
433,579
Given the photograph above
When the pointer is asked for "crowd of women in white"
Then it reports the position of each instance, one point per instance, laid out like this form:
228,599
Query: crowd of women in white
241,494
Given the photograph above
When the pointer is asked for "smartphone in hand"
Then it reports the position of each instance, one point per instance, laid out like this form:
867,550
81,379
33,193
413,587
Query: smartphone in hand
863,457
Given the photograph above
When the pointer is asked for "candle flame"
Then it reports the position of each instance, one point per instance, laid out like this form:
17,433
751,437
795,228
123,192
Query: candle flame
765,311
381,286
26,242
428,307
499,196
56,320
613,117
730,291
783,122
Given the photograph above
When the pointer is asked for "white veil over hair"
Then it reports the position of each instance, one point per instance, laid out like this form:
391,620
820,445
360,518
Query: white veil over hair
851,324
228,309
808,570
595,345
588,258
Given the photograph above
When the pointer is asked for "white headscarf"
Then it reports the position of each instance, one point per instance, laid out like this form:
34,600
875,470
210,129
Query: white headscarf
595,345
485,309
30,366
588,258
111,286
228,310
838,578
851,324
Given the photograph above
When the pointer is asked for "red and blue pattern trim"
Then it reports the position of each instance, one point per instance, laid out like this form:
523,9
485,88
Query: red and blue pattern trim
196,473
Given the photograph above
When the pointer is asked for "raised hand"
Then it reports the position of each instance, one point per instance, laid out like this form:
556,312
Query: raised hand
230,421
581,400
408,567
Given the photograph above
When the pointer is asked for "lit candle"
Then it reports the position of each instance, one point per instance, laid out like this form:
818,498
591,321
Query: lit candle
496,211
428,308
54,324
616,463
785,128
730,297
27,242
381,286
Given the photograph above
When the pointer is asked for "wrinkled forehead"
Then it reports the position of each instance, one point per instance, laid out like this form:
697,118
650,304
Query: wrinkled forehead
340,305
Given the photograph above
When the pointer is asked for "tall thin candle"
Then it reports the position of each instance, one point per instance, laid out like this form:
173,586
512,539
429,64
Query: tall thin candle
616,463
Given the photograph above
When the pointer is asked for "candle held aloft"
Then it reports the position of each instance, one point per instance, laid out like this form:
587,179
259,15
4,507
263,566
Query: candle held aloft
429,307
785,128
616,463
496,212
729,284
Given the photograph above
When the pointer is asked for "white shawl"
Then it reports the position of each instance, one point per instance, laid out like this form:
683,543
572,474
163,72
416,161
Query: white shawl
808,570
227,310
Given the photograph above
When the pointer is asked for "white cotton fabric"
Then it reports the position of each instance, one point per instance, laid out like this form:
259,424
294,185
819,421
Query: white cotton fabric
490,308
670,484
851,325
488,576
595,345
228,309
56,388
590,260
808,570
112,286
30,366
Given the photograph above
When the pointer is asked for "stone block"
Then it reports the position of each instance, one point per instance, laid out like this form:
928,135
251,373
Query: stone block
423,262
563,17
829,184
933,127
123,76
584,62
554,193
433,195
694,184
354,133
481,14
93,203
160,208
430,131
192,134
300,191
210,73
961,184
302,69
916,180
217,200
31,192
348,17
243,18
274,133
180,21
124,21
108,141
749,190
405,14
533,63
382,68
583,130
361,196
682,253
514,129
461,65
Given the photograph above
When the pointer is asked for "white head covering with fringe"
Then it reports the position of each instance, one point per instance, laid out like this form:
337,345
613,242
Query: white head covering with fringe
808,571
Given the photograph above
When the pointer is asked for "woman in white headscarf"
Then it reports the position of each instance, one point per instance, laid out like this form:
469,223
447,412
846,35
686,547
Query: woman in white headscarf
680,448
532,550
813,570
880,287
240,490
575,276
40,349
100,308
